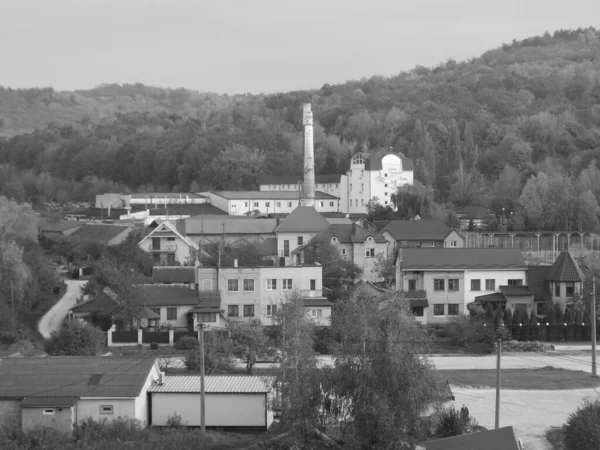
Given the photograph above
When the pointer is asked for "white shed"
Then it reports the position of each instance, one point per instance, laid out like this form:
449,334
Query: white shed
232,402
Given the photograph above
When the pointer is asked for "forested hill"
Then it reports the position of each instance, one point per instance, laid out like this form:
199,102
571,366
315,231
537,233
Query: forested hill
478,131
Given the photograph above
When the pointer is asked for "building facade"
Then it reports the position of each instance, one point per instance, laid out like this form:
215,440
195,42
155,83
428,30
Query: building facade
168,246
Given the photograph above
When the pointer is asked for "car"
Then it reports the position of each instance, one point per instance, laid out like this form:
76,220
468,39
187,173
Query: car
270,355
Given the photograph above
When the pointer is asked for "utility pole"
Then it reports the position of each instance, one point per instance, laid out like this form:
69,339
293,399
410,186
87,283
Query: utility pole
202,393
498,383
12,304
593,308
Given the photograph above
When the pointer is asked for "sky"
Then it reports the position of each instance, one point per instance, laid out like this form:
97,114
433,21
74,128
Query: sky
258,46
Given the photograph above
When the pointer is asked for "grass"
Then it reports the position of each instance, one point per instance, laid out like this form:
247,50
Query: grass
545,378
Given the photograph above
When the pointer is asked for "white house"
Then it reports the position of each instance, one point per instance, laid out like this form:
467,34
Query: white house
232,402
168,245
421,233
60,391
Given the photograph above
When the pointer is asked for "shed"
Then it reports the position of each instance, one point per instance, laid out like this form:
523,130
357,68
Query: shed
232,402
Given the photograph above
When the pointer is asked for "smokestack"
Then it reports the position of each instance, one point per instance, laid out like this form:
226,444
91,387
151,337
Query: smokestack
309,157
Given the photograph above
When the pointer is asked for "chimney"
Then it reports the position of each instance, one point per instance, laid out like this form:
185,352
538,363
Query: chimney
309,157
161,378
235,263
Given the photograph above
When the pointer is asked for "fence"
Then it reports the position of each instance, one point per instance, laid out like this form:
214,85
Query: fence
141,337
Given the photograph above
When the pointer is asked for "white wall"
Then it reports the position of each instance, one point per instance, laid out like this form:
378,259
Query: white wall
501,277
181,321
222,410
90,407
141,402
293,238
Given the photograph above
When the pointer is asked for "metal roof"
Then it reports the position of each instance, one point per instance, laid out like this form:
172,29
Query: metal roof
166,295
462,259
213,384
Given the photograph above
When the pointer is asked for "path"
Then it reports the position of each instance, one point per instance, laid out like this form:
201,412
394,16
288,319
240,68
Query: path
53,318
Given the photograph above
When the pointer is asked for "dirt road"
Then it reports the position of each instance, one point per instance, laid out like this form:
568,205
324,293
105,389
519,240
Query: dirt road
53,318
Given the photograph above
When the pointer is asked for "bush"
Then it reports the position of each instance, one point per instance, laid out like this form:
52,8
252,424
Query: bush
451,422
521,346
75,338
582,430
174,421
187,343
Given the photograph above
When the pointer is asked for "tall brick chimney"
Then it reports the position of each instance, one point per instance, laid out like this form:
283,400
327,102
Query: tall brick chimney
309,157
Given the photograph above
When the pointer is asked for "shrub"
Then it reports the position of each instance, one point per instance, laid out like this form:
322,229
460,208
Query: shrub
451,422
75,338
187,343
174,421
582,430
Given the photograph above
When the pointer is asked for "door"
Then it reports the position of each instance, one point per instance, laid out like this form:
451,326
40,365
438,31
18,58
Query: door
190,321
155,243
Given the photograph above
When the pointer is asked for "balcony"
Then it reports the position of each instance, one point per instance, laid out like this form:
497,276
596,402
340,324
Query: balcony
307,293
163,248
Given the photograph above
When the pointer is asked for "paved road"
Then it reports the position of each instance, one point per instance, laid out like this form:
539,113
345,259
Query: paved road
514,361
53,318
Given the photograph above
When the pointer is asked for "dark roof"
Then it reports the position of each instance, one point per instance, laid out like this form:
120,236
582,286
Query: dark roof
415,294
348,234
461,258
536,280
268,195
173,274
48,402
197,225
210,301
60,226
418,303
293,179
70,376
565,269
515,291
498,439
415,230
152,295
304,219
493,297
98,233
316,302
186,210
374,161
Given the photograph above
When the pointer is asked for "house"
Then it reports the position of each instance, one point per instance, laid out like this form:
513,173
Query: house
474,217
498,439
232,402
61,391
253,293
421,233
168,245
180,275
355,244
565,279
297,229
101,234
229,229
450,279
377,175
268,202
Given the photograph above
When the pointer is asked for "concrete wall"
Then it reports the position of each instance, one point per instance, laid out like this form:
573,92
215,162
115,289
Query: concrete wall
90,407
10,413
222,410
61,419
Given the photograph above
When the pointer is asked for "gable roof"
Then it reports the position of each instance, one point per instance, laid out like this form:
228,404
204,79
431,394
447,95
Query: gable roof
536,280
565,269
498,439
161,295
198,225
74,376
374,161
408,230
303,219
173,274
170,227
214,384
100,234
348,234
323,178
461,259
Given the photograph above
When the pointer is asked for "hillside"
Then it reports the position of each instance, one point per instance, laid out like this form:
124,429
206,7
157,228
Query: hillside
483,132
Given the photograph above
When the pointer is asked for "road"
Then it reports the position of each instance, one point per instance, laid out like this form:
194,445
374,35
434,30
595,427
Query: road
54,317
514,361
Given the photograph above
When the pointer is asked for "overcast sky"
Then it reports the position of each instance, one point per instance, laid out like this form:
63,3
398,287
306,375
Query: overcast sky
237,46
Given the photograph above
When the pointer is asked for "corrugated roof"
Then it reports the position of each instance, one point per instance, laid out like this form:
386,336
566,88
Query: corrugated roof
173,274
49,402
304,219
373,162
498,439
415,230
461,259
515,291
198,226
68,376
269,195
152,295
536,280
99,233
565,269
293,179
214,384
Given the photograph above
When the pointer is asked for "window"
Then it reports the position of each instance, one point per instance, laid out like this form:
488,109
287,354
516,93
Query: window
438,284
570,289
106,409
233,285
256,204
156,311
248,310
475,285
351,186
286,248
300,240
249,285
207,317
313,285
331,204
48,411
321,204
385,185
271,284
515,282
453,309
386,193
233,310
362,187
362,202
370,253
438,310
490,285
557,289
278,204
453,244
356,202
316,312
171,313
385,174
289,204
358,159
412,285
453,286
245,204
417,311
287,284
271,310
170,239
385,203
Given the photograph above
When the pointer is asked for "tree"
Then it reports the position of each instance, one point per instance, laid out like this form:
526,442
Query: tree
75,338
248,342
385,267
18,222
217,354
237,167
336,270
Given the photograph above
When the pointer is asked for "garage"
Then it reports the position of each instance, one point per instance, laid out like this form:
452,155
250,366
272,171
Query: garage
232,402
